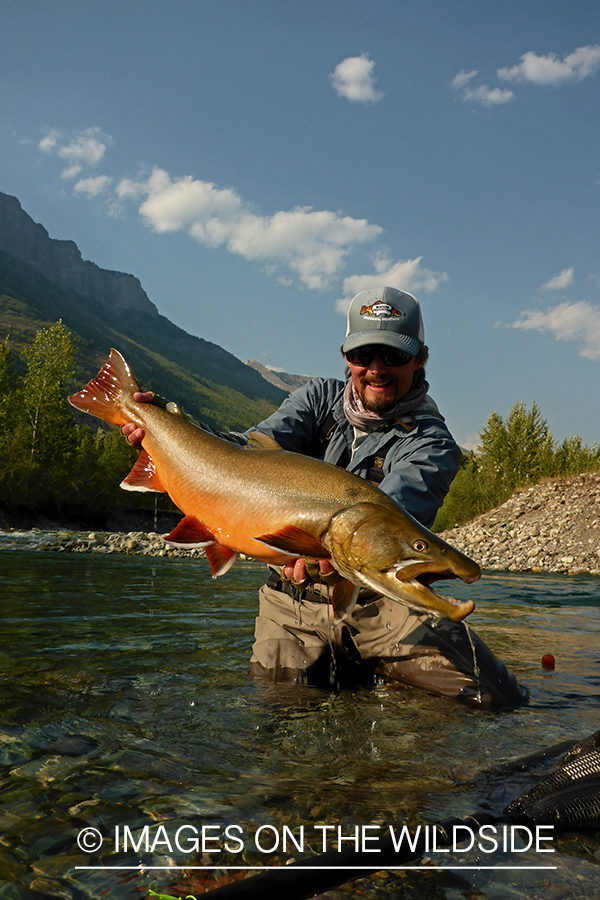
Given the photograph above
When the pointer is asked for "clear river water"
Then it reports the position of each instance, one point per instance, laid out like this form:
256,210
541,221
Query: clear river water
126,707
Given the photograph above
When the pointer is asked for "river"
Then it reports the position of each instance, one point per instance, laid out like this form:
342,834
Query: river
126,707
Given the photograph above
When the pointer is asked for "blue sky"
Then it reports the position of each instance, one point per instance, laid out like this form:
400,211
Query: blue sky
257,163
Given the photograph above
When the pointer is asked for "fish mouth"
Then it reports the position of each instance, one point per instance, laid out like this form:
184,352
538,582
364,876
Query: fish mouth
428,578
426,598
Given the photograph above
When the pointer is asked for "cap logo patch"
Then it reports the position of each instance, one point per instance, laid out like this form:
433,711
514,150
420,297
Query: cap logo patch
381,311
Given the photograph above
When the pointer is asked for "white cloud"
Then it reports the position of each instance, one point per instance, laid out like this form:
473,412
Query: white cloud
567,322
353,79
85,148
312,244
472,444
463,78
301,245
487,96
561,281
406,275
483,94
92,187
550,70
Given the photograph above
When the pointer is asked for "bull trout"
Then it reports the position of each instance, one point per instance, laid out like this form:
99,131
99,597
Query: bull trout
276,506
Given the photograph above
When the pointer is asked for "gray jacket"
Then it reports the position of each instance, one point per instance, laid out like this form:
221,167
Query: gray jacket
421,456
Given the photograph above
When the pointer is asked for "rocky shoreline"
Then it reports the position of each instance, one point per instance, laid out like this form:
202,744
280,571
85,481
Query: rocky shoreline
553,526
138,543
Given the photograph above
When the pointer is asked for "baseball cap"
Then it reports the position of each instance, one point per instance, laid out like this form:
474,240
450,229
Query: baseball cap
385,316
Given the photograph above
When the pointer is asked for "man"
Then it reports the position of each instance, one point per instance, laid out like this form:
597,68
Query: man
381,425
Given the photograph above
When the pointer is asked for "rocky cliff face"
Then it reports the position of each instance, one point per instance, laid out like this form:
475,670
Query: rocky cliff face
62,264
553,526
282,380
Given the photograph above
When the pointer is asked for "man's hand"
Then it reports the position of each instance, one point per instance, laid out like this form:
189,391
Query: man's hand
296,572
134,434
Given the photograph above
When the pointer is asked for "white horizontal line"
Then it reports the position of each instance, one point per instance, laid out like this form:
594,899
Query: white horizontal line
297,869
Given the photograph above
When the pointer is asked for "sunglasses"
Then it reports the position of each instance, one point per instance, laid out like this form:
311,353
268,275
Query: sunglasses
389,356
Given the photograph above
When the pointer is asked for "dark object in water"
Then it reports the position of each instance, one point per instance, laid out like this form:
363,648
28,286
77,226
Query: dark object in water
569,796
566,798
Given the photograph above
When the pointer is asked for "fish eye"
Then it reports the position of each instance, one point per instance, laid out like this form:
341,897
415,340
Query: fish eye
420,546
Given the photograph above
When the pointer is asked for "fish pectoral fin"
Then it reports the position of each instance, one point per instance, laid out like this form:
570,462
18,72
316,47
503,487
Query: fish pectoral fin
143,476
296,542
221,558
343,599
190,533
259,441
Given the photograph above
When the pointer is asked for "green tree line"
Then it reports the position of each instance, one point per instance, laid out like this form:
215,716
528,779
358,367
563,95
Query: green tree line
514,452
50,463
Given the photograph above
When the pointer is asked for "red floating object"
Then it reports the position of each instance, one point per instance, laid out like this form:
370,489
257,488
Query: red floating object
548,661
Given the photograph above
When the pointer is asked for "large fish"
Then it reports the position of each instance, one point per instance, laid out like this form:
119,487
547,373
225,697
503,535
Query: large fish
277,506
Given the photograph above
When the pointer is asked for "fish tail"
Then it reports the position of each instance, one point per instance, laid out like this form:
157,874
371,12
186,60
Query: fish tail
104,395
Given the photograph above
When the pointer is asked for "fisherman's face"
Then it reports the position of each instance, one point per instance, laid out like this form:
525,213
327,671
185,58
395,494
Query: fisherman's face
379,386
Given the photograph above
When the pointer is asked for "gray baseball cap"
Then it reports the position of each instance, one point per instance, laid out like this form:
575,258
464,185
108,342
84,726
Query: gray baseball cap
384,316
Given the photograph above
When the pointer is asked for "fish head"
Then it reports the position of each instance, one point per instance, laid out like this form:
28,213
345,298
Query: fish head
388,551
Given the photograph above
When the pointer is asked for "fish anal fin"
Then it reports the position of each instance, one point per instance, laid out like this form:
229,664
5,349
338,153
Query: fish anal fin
343,598
190,533
143,476
296,542
221,558
259,441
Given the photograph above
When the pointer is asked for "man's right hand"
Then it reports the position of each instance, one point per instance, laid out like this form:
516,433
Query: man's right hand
132,432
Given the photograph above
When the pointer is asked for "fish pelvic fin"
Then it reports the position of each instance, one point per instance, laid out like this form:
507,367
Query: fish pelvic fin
189,534
343,599
101,396
143,476
221,558
296,542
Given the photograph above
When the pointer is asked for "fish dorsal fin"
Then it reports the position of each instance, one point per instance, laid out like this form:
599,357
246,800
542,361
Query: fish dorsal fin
259,441
296,542
343,599
143,476
190,533
221,558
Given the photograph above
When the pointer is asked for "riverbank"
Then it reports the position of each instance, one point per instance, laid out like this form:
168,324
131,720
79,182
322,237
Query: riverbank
138,543
553,526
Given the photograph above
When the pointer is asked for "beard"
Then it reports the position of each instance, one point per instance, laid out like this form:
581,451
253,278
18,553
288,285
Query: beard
379,402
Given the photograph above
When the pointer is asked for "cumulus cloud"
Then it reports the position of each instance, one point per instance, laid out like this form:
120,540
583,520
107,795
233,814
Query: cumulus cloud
405,274
85,148
463,78
311,244
567,322
532,69
92,187
353,79
561,281
482,94
302,245
550,70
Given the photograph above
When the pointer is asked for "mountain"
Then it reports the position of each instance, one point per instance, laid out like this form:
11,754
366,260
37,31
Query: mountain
282,380
43,280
